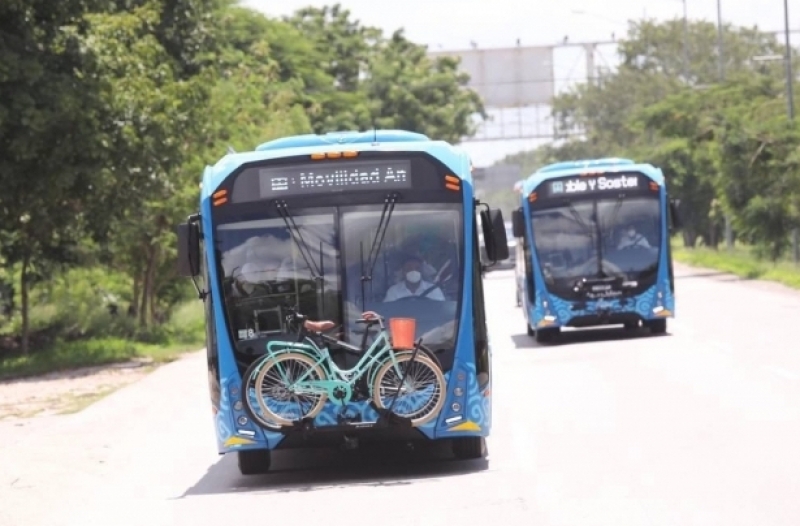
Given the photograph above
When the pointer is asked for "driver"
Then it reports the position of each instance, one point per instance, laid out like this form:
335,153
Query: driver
413,284
631,238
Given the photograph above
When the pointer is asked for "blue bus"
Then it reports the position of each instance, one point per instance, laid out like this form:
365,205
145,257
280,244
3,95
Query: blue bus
594,247
326,224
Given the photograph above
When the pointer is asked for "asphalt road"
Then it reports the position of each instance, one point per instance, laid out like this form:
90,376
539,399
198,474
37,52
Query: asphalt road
697,427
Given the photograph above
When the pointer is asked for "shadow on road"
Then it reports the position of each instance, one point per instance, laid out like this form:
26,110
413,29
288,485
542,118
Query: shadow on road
304,470
576,336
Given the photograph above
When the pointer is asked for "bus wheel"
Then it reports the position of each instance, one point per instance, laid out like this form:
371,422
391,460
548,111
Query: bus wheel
254,461
469,448
530,330
631,325
657,326
546,335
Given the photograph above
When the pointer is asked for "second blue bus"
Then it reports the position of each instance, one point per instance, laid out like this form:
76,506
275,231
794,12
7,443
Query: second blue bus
594,247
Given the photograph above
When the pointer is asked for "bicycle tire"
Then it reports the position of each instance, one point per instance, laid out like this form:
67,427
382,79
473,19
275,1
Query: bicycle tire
244,392
285,357
421,359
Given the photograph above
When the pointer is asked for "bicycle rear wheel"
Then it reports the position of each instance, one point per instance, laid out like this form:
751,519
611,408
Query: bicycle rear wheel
274,395
421,397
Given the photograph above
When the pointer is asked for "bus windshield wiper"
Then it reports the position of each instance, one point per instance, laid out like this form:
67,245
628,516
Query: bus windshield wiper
591,234
377,241
297,237
578,219
611,223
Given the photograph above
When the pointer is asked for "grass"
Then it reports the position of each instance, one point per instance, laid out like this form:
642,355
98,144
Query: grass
739,261
184,332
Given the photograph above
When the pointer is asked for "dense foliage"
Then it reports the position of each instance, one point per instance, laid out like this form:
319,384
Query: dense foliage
109,110
719,129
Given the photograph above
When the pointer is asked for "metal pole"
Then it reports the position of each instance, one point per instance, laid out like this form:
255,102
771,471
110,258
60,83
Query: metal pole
790,104
721,64
686,43
789,87
720,42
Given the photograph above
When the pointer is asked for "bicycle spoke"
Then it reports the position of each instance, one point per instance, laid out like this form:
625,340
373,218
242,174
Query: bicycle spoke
418,396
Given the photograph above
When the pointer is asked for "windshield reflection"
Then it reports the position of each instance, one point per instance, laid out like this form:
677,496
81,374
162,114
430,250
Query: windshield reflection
264,272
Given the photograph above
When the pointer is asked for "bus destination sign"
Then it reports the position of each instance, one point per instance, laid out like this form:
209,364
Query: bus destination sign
576,186
338,176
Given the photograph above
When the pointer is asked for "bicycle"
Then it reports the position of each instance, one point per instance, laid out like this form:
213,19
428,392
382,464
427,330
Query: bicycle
303,369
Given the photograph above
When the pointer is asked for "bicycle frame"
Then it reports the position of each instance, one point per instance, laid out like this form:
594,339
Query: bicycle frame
373,356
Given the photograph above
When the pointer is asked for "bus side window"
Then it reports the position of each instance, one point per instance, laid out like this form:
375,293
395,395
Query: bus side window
479,315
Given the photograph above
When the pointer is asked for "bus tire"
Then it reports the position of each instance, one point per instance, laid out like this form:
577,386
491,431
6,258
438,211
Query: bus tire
546,335
657,326
531,332
254,461
469,448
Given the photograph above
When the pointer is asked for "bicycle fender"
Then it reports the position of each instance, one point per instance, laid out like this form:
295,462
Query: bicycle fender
281,347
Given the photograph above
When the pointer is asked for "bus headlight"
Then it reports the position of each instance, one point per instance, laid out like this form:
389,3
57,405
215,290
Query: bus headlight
661,312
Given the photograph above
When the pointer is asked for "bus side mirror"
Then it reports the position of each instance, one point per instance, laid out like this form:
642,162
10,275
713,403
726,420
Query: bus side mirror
188,250
518,222
675,218
494,235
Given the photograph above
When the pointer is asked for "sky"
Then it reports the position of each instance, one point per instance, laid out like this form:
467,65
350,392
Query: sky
455,24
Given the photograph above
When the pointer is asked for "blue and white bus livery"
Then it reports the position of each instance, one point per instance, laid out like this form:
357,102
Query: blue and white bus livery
596,247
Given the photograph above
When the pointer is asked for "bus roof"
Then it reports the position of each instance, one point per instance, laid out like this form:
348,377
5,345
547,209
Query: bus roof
358,141
604,165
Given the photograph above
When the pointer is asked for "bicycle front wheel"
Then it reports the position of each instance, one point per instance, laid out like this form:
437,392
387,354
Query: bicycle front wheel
420,398
275,396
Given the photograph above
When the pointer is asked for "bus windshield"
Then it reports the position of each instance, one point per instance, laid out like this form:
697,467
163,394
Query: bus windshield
415,272
598,238
336,263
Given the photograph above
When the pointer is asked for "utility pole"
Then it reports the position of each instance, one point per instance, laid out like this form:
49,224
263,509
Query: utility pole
790,108
721,64
720,54
686,43
789,87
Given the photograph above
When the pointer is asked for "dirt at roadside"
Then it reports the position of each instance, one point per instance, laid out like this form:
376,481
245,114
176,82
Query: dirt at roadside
67,391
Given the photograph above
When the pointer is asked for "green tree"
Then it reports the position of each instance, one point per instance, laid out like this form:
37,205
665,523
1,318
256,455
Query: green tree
49,150
154,114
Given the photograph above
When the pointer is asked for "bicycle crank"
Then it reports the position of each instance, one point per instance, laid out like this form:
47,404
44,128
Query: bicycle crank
341,392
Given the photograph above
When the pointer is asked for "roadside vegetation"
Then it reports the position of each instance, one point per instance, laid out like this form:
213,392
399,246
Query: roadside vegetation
719,129
742,261
110,110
